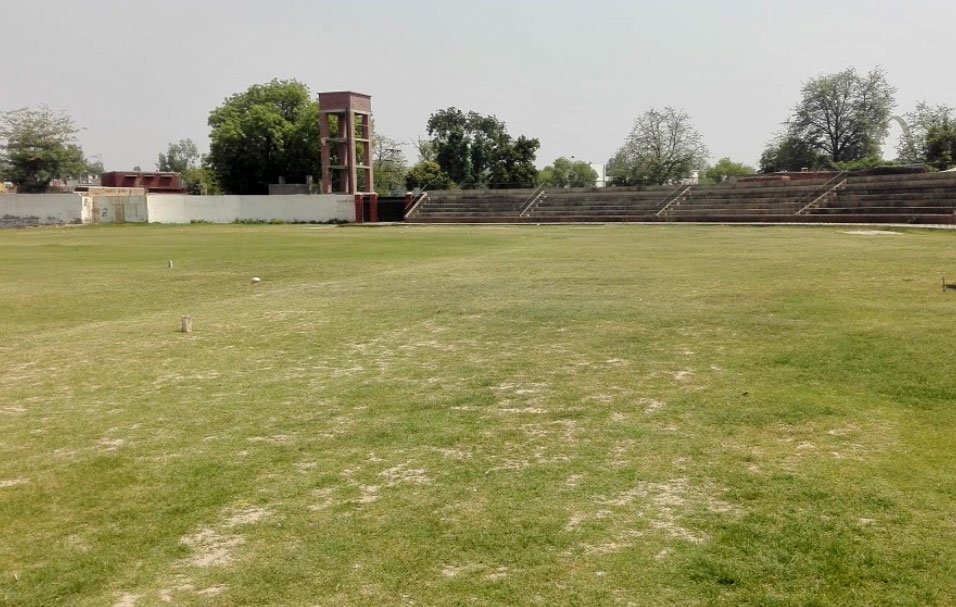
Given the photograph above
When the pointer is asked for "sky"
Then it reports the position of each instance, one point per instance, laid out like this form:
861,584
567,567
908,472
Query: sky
137,75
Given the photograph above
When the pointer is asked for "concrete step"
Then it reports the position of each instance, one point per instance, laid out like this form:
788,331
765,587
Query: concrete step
726,209
881,210
595,207
887,202
738,204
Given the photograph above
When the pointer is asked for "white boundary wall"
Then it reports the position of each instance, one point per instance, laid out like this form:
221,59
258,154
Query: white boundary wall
115,209
59,209
172,208
40,209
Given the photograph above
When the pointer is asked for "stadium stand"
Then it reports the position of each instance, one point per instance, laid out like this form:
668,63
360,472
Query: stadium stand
833,198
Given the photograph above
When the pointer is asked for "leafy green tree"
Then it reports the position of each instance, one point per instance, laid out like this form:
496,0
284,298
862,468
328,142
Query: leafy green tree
870,162
426,149
941,144
93,167
184,158
269,131
932,136
39,145
844,115
663,147
564,173
726,168
388,165
179,157
512,163
427,174
476,151
789,153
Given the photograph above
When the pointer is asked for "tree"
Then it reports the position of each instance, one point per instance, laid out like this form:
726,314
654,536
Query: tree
389,165
477,151
932,136
512,163
269,131
39,145
663,147
789,153
93,167
726,168
427,174
179,157
844,115
184,158
941,144
565,173
426,149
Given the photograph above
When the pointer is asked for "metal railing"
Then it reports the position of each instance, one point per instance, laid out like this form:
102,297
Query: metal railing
421,197
676,195
535,197
814,196
826,192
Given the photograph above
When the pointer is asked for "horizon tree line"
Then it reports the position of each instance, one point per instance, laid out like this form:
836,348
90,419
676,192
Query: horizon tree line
270,130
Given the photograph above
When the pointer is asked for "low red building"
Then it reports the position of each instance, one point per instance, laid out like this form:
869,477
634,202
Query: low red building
159,183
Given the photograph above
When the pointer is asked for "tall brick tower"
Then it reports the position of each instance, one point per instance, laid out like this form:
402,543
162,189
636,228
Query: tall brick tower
345,126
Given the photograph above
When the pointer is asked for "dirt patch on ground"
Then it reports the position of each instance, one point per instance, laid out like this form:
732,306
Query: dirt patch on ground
369,494
649,508
215,546
508,392
277,439
211,548
168,595
127,600
523,410
14,482
454,454
873,233
247,517
574,480
651,405
111,444
403,475
684,376
490,574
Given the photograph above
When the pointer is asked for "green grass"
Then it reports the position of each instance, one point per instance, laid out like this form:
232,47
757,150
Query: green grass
607,415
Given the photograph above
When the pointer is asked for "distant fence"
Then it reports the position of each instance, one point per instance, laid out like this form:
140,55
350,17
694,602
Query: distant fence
61,209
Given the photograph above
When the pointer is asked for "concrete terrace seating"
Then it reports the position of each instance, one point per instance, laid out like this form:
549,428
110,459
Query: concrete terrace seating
470,206
754,202
916,198
840,198
599,204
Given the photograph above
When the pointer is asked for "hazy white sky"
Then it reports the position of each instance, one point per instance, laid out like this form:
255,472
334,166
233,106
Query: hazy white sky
139,74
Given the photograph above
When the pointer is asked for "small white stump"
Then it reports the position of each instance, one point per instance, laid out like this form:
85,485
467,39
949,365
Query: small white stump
187,324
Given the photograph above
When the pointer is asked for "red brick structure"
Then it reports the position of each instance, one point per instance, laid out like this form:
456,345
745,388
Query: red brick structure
159,183
345,126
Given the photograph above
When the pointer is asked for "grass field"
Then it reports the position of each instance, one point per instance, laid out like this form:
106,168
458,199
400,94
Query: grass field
605,415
